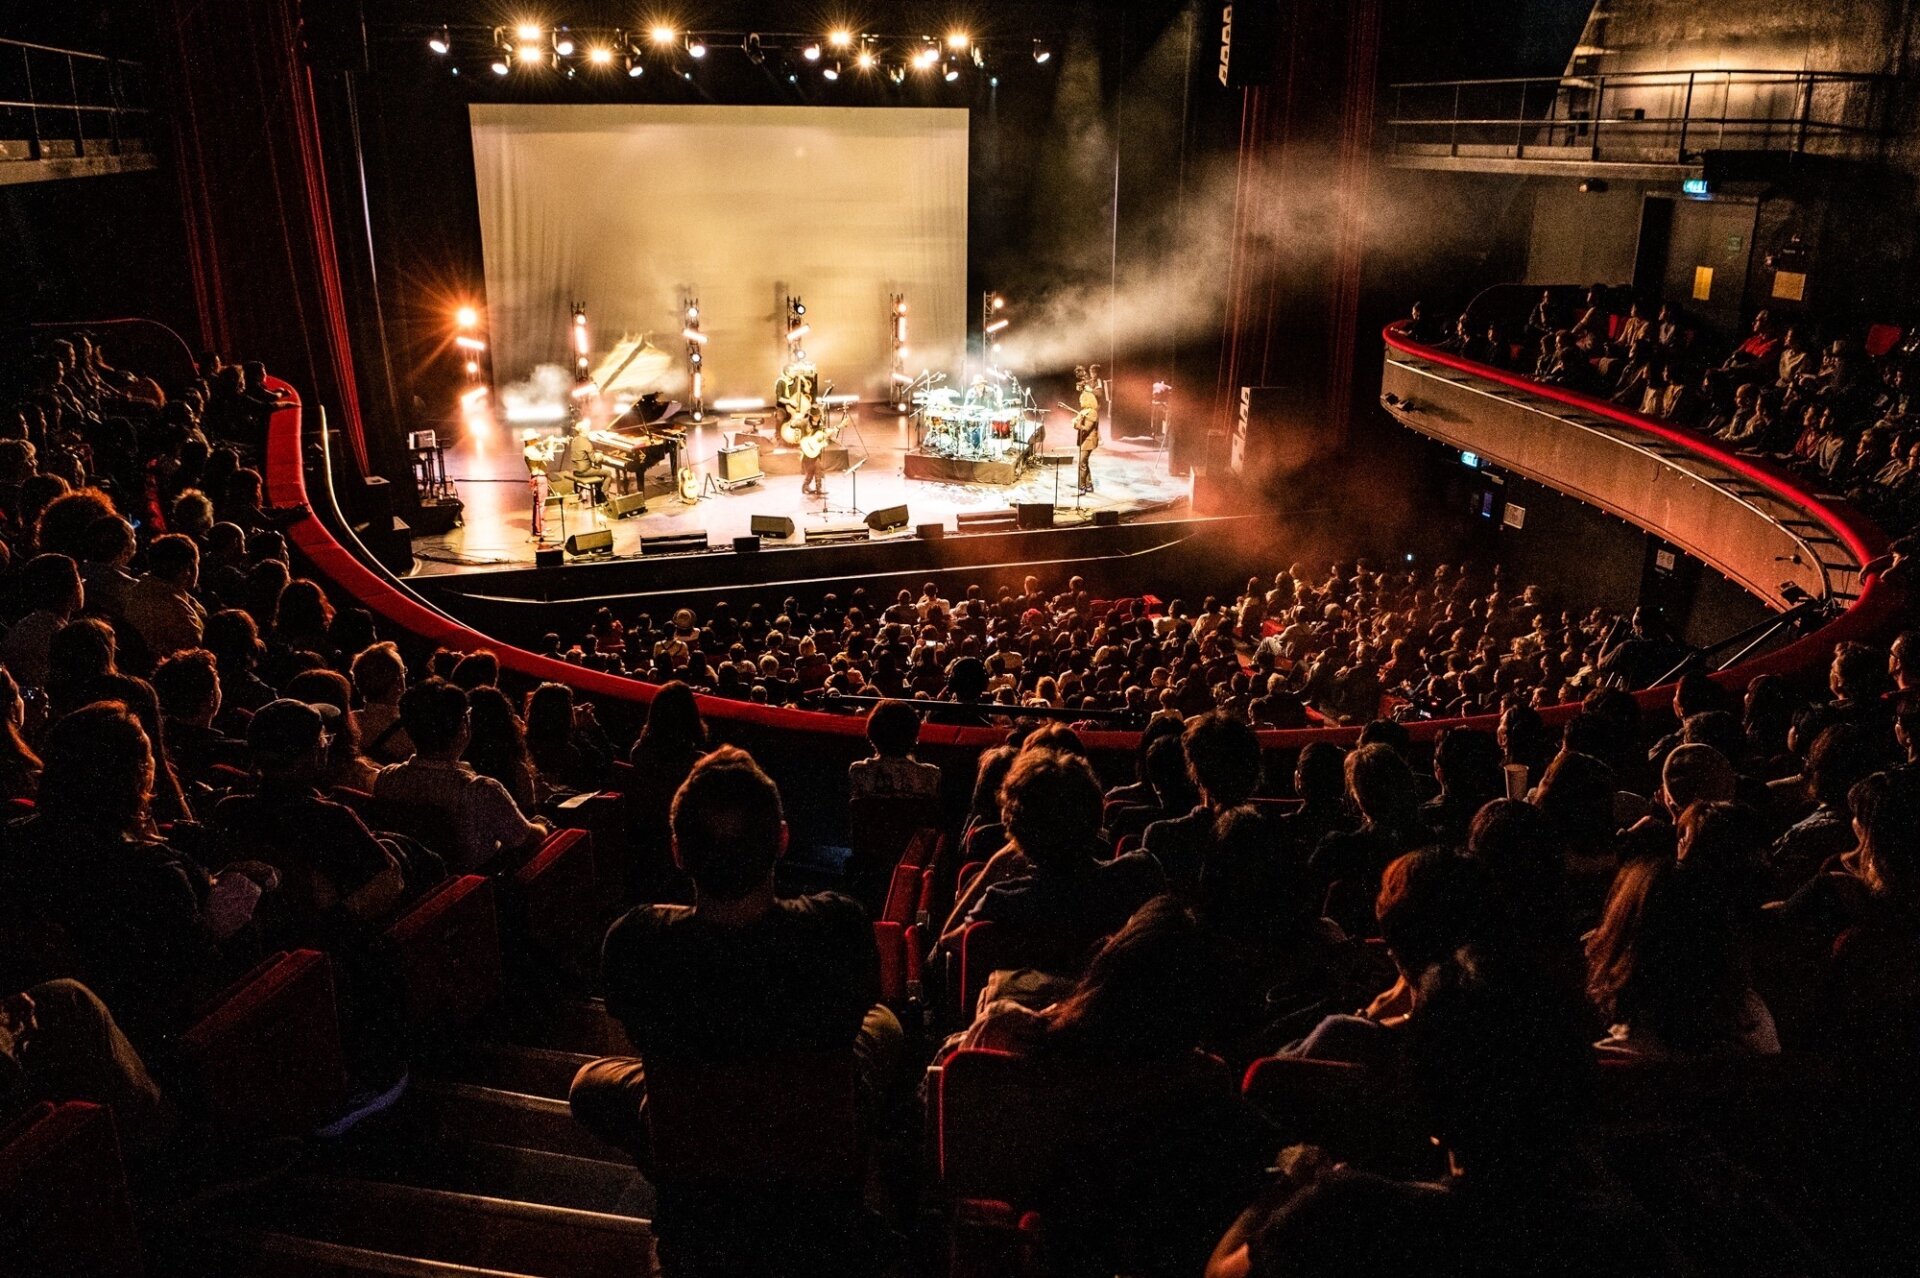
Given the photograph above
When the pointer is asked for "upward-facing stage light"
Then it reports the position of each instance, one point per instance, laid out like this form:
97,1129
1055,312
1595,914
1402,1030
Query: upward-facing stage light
952,72
440,41
499,66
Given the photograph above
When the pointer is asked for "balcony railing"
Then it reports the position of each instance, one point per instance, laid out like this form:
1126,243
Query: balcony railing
65,104
1639,117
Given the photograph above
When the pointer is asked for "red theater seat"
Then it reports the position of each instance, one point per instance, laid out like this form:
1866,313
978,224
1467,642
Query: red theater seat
1340,1106
890,939
982,952
266,1057
904,894
63,1195
559,895
1881,338
447,951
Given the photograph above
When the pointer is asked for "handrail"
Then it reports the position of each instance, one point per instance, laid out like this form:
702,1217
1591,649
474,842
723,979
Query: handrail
1678,78
1865,615
110,99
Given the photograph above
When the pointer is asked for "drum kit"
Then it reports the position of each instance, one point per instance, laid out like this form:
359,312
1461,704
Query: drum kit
983,430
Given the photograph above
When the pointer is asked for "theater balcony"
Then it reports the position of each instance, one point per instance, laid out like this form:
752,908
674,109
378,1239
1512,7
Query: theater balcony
69,114
1758,525
1644,124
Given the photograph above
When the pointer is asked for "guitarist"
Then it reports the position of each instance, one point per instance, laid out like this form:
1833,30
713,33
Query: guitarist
1086,424
812,443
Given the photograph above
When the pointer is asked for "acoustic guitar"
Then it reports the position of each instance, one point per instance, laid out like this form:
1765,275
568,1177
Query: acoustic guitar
688,483
815,442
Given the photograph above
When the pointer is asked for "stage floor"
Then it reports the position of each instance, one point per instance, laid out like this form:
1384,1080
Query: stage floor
1129,477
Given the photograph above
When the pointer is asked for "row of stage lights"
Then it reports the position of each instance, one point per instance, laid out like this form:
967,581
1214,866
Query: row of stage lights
531,46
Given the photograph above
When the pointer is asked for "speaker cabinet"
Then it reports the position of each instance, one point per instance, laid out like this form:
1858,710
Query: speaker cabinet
739,465
1276,432
888,518
1106,519
621,505
931,532
549,557
746,545
1249,32
595,541
1033,515
673,544
772,526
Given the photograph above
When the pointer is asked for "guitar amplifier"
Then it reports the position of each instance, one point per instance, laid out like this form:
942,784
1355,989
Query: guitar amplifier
738,465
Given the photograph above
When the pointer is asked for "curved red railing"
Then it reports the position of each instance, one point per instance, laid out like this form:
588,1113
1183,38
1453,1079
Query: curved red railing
287,486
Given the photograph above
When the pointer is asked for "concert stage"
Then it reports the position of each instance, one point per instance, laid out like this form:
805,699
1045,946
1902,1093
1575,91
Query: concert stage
1130,479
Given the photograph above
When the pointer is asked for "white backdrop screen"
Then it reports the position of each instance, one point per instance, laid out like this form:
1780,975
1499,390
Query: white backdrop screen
627,208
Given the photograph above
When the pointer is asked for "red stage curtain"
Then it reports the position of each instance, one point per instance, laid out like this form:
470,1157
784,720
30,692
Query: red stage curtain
247,149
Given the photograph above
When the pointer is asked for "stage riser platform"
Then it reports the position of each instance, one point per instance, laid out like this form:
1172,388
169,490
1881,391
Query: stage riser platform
959,470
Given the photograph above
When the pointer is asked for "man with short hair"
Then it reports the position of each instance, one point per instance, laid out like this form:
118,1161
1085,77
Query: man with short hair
380,677
1223,759
740,975
52,588
481,819
188,687
160,606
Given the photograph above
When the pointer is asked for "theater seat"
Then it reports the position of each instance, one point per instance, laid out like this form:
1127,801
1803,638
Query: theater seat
884,832
890,940
1342,1107
558,895
1881,338
785,1120
446,951
265,1058
981,954
903,895
603,814
63,1195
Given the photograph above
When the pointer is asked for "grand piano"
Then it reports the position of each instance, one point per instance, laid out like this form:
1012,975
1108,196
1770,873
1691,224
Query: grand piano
638,440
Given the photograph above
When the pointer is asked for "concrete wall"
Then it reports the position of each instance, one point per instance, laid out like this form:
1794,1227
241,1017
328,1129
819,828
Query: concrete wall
1583,238
1823,35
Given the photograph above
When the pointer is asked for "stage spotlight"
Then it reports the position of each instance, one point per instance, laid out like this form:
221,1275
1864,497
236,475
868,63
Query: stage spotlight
812,52
926,57
901,309
694,335
563,44
600,55
469,343
693,313
696,48
696,358
1041,53
466,316
635,68
897,74
529,54
499,66
840,39
831,71
473,368
866,60
903,353
799,308
999,303
440,41
664,35
795,334
528,31
997,325
953,72
958,40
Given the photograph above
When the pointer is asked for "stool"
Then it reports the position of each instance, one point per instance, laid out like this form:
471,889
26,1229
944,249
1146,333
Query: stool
591,488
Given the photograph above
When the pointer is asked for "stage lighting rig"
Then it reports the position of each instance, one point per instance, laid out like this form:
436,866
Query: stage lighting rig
952,72
441,41
866,59
696,47
831,71
563,44
696,358
797,327
581,342
839,39
992,323
958,40
600,55
528,31
529,54
899,379
811,52
499,66
664,36
1042,53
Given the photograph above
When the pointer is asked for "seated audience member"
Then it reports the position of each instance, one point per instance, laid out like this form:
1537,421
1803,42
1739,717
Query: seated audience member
891,771
380,677
1147,1186
329,692
188,686
1466,765
127,907
1431,904
983,835
1320,781
58,1042
303,621
480,819
497,745
673,739
1171,791
111,545
19,765
51,587
1380,787
476,670
1048,891
160,606
1869,1012
1223,759
1666,968
1505,1088
1576,794
569,750
1839,760
235,643
334,873
1139,793
82,668
741,974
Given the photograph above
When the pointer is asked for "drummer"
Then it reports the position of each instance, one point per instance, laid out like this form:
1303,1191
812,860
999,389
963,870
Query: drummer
983,393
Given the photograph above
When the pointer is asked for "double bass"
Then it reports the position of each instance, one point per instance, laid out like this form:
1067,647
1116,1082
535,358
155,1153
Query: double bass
794,393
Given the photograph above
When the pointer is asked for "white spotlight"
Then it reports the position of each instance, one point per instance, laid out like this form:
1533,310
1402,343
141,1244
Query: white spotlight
953,73
1041,53
696,48
563,44
499,66
635,68
440,41
528,31
831,71
812,52
600,55
840,39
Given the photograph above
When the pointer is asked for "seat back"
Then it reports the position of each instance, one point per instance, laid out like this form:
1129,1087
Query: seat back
266,1057
881,832
786,1119
1342,1107
890,939
1881,338
63,1195
558,894
603,813
903,895
446,950
982,952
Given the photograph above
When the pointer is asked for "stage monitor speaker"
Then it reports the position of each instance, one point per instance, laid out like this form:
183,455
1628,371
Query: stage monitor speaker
620,505
376,500
931,532
837,535
1106,519
745,545
1249,42
888,518
595,541
739,464
982,520
772,526
673,543
1034,514
549,557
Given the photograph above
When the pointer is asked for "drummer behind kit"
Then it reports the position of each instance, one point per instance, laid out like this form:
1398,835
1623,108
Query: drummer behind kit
995,422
